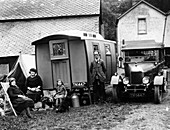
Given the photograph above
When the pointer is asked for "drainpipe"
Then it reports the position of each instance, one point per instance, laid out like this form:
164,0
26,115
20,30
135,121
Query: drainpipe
163,39
164,34
164,31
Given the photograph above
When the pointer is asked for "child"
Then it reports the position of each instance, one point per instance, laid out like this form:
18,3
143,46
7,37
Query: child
61,92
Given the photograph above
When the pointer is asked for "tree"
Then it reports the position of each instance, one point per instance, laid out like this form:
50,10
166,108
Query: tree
112,9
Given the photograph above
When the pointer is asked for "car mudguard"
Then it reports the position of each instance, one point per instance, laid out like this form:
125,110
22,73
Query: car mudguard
158,80
114,80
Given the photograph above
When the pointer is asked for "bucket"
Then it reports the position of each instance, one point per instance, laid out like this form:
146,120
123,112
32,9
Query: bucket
75,100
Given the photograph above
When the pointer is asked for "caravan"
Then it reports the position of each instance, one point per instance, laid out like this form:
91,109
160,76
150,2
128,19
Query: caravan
68,55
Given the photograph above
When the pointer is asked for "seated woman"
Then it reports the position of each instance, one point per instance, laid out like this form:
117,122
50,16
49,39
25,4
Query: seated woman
61,93
19,101
34,86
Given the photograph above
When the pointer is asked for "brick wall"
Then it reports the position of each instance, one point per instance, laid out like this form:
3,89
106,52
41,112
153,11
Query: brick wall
18,36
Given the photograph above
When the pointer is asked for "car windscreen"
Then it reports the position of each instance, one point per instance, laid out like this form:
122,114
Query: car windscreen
141,55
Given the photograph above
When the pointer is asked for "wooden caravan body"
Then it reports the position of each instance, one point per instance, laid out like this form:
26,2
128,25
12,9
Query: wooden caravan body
68,55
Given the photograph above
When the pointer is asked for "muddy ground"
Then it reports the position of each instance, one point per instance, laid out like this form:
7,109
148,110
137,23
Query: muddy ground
136,115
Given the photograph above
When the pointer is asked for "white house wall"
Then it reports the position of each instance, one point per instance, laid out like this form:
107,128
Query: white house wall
167,32
128,25
17,36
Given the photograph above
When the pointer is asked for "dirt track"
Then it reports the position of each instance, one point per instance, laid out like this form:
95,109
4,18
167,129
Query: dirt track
121,116
148,116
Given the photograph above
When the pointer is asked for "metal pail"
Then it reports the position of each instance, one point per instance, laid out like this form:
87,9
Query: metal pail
75,100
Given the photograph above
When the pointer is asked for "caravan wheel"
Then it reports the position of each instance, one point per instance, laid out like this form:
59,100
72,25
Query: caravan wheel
115,93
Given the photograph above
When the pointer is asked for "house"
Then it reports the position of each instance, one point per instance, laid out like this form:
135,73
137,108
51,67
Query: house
167,39
141,23
23,22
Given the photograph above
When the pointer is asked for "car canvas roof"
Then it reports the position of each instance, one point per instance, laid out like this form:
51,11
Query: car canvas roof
142,44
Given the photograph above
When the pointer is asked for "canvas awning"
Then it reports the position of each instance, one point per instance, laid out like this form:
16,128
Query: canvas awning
26,62
21,70
142,44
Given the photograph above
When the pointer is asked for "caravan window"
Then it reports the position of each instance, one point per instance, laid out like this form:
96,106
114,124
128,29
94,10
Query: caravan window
107,49
95,46
58,49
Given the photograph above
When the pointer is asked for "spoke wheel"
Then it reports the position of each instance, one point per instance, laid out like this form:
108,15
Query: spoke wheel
165,86
115,93
157,95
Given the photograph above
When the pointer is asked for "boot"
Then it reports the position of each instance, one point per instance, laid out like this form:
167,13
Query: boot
28,113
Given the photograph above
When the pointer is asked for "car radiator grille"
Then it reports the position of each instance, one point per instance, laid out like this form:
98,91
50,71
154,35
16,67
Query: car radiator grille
136,77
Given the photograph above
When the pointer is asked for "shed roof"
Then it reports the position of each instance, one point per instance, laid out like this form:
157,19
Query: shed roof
137,4
142,44
28,9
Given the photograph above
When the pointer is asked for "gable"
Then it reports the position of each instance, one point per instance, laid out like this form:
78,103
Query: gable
137,6
141,11
26,9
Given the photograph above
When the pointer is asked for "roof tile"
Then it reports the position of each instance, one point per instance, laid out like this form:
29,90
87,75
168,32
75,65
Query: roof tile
25,9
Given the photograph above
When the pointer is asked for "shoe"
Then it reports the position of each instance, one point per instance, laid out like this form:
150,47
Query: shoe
28,113
29,116
96,103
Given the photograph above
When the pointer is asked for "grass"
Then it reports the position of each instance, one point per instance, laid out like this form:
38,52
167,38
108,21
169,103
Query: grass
104,116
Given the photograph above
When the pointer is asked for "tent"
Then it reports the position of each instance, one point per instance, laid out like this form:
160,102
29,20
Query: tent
21,69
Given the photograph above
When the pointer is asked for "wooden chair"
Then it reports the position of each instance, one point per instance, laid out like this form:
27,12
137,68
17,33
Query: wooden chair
5,86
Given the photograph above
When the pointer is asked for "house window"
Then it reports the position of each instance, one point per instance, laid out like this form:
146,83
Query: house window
58,49
142,26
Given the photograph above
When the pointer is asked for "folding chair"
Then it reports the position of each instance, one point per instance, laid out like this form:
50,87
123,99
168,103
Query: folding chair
5,86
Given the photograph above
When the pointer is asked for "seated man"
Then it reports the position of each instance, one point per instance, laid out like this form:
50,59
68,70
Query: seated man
34,86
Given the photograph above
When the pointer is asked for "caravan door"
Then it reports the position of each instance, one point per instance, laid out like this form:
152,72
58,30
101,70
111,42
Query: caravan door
61,71
60,61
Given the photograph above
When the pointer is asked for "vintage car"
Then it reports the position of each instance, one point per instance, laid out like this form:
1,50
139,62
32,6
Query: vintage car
144,73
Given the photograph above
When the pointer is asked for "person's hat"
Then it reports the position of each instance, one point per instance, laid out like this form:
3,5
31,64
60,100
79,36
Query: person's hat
96,53
33,70
11,80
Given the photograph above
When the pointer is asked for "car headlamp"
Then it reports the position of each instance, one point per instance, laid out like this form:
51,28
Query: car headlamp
125,80
145,80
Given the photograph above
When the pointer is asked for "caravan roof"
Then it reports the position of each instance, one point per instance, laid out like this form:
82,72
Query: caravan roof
81,34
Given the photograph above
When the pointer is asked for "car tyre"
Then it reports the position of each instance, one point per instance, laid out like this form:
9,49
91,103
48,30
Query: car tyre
157,95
